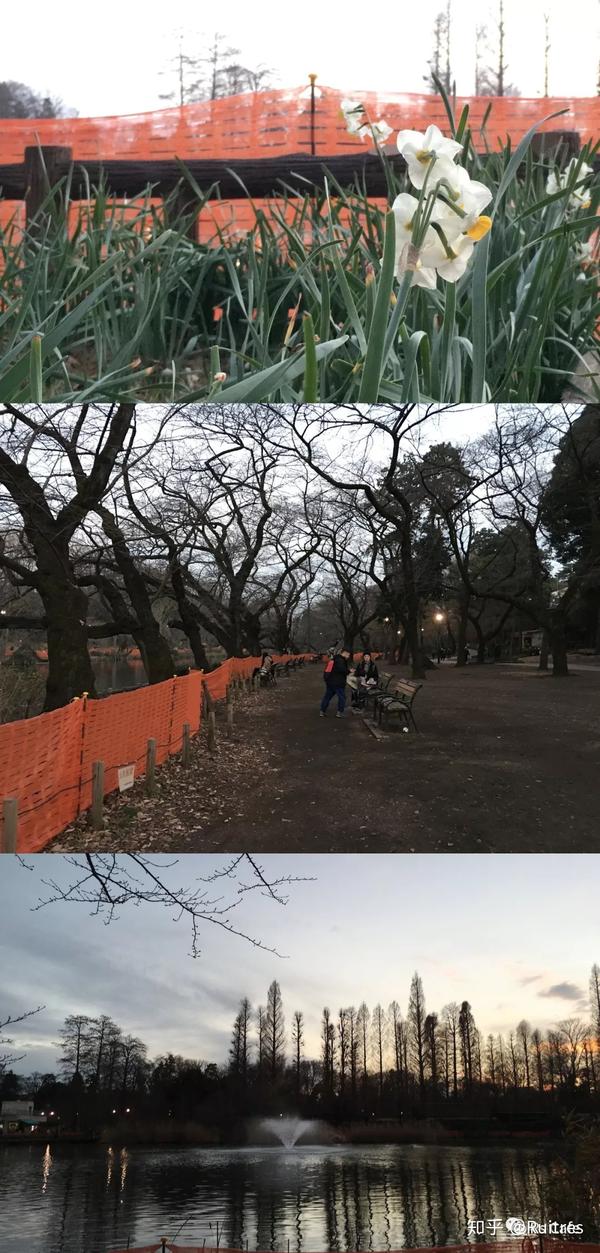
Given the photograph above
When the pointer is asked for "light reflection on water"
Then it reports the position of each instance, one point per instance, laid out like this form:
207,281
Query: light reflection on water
91,1199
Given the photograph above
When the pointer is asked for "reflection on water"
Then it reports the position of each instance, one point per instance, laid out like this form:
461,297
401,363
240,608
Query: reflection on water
92,1199
113,674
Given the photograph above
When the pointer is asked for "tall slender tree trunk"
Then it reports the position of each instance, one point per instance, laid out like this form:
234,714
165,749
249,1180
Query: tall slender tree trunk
544,651
480,642
461,639
413,634
558,644
597,630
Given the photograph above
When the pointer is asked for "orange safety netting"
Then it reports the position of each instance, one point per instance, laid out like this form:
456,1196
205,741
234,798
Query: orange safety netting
275,123
278,123
47,762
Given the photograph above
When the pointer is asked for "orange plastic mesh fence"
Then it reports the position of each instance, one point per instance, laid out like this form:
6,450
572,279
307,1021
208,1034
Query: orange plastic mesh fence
47,762
277,123
40,763
118,728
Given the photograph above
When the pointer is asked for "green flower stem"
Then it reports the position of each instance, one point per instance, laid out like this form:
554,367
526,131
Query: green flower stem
310,364
35,370
397,315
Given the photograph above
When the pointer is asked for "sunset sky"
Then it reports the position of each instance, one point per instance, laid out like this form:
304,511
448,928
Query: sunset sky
516,936
110,59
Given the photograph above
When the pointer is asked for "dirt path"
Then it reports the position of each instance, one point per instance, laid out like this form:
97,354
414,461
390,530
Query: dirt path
507,760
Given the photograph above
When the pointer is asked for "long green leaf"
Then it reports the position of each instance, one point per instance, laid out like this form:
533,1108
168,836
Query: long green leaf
371,377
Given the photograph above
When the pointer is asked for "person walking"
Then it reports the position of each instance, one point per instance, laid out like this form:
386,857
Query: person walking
335,676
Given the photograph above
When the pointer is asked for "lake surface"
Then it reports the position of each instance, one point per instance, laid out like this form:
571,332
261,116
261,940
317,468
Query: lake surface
116,673
91,1199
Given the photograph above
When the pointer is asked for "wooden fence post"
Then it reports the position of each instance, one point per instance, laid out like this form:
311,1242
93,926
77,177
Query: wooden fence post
9,825
151,768
212,731
44,168
96,818
229,707
186,746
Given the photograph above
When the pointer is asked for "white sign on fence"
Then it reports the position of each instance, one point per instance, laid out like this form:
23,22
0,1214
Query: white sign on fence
126,774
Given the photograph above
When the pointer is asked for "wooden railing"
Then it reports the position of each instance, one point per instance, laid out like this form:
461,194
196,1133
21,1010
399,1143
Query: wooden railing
44,168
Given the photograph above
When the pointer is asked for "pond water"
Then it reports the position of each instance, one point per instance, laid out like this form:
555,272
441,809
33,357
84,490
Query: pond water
91,1198
116,673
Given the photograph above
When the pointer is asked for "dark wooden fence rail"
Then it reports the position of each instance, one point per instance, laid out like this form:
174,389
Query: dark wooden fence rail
45,167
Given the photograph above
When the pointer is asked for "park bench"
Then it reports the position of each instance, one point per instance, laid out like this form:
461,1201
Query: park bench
373,693
291,665
399,702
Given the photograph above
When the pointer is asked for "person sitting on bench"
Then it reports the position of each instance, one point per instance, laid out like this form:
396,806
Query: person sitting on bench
368,675
266,672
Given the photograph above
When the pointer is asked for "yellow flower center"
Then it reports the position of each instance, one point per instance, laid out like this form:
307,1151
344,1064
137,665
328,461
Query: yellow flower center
480,227
425,156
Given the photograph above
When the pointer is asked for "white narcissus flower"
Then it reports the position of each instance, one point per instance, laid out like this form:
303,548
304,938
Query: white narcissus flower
453,268
422,275
455,203
580,197
354,115
379,131
421,150
469,196
433,257
405,207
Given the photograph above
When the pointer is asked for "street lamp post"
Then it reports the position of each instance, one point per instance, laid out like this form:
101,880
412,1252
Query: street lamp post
386,636
439,618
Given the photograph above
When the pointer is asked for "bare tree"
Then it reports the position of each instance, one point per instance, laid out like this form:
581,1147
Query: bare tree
416,1025
450,1016
274,1032
524,1037
36,445
363,1018
379,1029
108,883
493,80
12,1020
298,1047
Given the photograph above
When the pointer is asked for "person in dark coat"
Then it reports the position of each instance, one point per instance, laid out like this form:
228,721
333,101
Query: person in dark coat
336,676
367,673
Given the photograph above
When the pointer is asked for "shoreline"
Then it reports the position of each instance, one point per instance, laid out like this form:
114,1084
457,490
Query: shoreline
105,1140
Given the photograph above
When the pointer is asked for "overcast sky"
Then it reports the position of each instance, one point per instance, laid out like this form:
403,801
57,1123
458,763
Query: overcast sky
515,936
108,59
